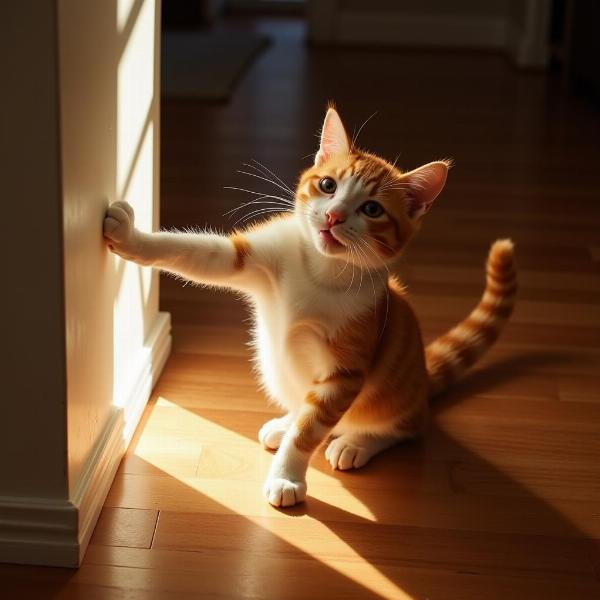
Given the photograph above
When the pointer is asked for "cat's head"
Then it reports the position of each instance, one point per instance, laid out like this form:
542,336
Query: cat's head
357,206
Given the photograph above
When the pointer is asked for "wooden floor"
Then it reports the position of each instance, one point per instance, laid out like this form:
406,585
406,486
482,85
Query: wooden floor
502,498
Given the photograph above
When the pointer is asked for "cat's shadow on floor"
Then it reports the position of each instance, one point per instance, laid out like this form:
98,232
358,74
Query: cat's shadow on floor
479,382
439,505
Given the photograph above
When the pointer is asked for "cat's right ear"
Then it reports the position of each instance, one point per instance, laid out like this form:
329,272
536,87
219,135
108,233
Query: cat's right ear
424,185
334,139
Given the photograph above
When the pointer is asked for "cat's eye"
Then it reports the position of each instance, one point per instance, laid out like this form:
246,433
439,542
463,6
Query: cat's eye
372,209
327,185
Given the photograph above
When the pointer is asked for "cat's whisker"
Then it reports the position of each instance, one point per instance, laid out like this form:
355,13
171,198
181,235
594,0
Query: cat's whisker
265,209
306,212
258,212
361,272
390,174
259,200
384,283
379,259
366,261
392,182
287,187
345,266
405,189
268,181
351,144
349,248
379,242
263,195
284,203
372,282
267,175
369,247
352,280
355,263
398,186
355,137
252,218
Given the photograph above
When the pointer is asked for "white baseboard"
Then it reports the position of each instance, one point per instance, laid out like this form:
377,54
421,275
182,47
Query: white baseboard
92,488
57,532
38,531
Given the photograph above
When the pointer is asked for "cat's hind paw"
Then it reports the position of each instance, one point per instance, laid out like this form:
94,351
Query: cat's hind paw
352,451
342,454
283,493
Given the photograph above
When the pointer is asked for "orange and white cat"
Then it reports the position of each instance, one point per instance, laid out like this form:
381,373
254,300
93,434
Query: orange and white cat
338,345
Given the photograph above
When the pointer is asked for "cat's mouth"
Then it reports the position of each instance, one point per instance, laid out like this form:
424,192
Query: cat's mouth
330,240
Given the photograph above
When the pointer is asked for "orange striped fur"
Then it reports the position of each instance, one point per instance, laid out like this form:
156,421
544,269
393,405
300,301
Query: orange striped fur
398,375
450,355
242,249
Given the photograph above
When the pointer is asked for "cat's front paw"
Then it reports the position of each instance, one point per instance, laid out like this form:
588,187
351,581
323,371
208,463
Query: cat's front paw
283,493
272,432
118,228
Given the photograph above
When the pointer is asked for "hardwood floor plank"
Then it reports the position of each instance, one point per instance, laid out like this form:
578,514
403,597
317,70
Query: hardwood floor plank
383,544
129,527
219,572
519,514
112,573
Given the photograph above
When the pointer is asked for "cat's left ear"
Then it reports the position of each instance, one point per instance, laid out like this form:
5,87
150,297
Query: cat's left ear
424,186
334,139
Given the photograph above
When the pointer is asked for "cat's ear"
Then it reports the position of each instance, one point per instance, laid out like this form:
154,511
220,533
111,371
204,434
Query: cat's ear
424,186
334,139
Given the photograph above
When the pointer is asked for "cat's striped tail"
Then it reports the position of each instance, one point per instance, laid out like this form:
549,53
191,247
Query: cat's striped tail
449,356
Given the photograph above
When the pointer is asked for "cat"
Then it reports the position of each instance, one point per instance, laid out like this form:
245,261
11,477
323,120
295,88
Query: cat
338,345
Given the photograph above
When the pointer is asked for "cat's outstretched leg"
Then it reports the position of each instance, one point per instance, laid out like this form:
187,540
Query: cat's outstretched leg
355,450
231,261
323,407
272,432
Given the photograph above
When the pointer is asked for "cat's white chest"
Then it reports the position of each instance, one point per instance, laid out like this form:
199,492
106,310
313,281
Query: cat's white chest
294,320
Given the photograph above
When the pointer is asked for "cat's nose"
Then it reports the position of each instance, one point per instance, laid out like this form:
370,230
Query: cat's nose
335,217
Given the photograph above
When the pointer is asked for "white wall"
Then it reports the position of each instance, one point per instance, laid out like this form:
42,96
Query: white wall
109,151
94,110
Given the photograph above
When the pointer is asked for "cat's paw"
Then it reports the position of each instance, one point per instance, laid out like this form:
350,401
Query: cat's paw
342,454
283,492
272,432
118,226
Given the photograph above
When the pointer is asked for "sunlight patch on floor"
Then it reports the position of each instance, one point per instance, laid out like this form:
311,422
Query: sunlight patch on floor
173,434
